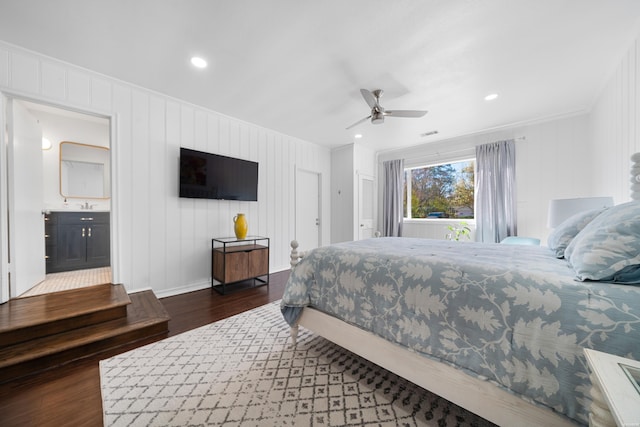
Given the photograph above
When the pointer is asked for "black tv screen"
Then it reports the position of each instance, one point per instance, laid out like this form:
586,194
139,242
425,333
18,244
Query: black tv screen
212,176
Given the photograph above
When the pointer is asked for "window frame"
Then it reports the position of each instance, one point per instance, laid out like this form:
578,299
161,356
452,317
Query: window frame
407,204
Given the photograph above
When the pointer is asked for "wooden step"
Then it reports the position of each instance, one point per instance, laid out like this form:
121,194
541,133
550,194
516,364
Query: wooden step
25,319
145,318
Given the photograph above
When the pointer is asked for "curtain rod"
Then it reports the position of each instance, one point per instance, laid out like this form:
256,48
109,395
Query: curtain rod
438,153
519,138
470,150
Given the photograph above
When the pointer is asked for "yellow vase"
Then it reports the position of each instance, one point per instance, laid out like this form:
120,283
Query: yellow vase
240,226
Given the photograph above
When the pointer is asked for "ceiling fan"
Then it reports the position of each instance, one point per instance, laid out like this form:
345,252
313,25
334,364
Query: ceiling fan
378,113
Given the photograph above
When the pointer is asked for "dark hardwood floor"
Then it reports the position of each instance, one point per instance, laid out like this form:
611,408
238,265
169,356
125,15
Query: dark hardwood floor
69,395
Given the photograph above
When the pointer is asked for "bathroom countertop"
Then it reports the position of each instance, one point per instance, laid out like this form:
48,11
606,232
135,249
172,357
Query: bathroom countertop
77,210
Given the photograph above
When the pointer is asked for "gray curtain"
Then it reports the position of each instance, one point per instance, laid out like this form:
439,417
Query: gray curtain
495,191
392,209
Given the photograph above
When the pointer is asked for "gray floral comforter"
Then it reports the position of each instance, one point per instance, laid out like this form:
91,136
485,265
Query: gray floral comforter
513,314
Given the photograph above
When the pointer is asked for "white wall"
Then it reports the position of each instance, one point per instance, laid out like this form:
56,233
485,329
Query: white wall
614,127
348,163
161,241
342,194
551,162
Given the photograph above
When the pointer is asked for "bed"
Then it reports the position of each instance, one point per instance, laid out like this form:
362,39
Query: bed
497,329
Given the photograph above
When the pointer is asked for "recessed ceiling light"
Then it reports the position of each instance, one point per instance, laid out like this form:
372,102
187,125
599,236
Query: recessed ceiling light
198,62
357,136
491,97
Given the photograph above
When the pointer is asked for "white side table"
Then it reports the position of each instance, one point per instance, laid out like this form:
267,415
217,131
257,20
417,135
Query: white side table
616,400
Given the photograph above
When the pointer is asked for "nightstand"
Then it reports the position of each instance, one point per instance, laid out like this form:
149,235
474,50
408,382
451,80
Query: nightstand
614,390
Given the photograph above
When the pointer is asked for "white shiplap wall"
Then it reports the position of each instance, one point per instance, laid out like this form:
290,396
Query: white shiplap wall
161,241
615,127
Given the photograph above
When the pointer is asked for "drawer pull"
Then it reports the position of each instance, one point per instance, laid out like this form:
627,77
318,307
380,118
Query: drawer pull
86,219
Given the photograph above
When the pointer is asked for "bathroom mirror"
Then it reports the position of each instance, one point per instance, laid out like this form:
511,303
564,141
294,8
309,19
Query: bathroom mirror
84,171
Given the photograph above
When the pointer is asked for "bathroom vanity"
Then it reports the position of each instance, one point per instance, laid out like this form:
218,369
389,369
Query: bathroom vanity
76,240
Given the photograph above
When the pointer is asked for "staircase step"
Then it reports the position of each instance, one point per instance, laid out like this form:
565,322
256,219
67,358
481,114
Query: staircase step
29,318
145,317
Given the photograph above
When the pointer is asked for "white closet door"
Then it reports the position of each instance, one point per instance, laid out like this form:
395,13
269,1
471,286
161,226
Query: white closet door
308,209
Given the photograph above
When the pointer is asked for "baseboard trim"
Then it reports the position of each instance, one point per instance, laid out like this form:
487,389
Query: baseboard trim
198,286
182,289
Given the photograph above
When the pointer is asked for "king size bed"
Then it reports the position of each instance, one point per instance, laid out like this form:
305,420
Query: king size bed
497,329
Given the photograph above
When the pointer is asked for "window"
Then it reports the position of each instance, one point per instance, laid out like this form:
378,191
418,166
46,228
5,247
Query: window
440,191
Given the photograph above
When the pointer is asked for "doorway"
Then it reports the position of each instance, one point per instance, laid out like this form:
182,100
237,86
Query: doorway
365,206
55,124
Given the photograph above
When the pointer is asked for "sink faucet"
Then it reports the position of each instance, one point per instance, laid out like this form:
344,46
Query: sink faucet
86,206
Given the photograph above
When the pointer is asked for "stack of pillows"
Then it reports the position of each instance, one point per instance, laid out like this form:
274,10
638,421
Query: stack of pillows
601,244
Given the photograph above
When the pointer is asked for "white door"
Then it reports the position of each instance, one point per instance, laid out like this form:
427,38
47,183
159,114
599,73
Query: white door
366,207
26,222
307,209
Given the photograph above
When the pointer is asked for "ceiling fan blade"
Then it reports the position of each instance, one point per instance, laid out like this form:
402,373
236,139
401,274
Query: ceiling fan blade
369,97
404,113
359,121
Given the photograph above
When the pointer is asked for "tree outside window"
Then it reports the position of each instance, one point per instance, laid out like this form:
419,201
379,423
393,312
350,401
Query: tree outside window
440,191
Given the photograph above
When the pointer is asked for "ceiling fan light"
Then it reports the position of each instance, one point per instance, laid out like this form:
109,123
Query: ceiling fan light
377,118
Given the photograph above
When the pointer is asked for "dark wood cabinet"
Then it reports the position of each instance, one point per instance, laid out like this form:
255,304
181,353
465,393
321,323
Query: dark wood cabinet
50,241
77,240
234,261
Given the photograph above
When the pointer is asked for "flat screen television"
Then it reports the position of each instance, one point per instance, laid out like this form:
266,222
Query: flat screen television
212,176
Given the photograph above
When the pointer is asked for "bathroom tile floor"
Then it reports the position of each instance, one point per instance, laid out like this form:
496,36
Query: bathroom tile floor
55,282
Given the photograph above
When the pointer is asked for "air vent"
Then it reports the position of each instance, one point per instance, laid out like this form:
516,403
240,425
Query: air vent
433,132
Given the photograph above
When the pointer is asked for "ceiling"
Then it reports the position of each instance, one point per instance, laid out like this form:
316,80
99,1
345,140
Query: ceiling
297,66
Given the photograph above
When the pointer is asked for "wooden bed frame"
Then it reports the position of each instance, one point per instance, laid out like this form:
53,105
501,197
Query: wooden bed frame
478,396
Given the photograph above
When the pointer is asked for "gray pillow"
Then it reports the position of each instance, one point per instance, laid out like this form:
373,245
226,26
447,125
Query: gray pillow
564,233
607,245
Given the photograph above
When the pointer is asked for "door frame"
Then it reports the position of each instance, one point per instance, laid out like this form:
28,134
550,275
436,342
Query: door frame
114,217
4,202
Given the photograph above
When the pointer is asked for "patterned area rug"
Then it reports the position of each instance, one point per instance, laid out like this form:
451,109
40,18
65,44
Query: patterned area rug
242,371
66,280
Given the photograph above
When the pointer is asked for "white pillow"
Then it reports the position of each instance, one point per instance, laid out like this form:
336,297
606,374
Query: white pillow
564,233
608,245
